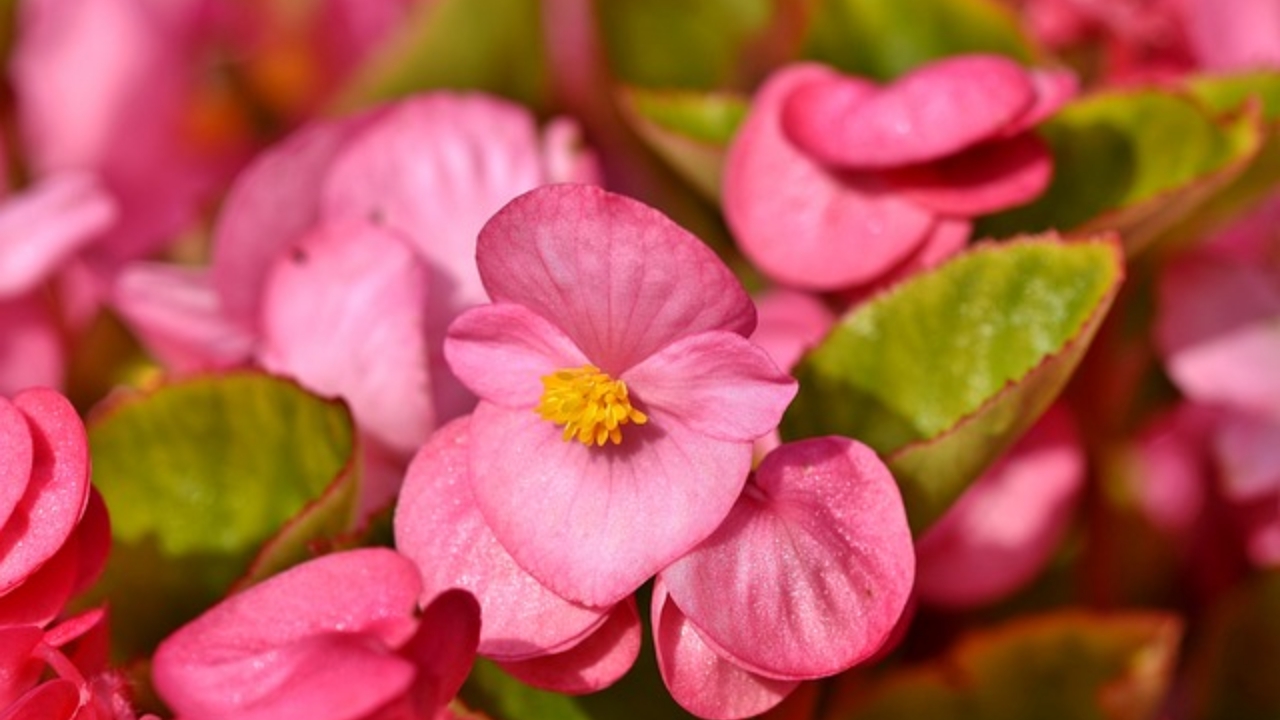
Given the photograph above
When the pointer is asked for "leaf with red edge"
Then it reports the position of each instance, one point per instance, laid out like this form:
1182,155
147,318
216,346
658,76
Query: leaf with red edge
690,130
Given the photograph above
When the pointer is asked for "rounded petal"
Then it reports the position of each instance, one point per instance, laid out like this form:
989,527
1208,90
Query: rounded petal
16,458
822,519
20,669
927,114
57,699
1006,526
619,278
594,523
717,384
703,682
438,526
984,179
800,222
600,660
444,648
1053,88
343,312
44,225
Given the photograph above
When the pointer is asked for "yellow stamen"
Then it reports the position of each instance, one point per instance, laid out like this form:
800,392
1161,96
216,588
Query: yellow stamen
590,405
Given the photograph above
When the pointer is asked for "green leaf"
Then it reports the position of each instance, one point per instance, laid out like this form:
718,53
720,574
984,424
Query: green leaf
690,130
1233,676
883,39
490,45
942,373
197,475
1136,162
1070,665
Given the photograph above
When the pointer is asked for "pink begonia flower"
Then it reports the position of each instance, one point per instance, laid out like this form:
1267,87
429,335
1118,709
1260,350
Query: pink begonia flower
335,637
53,527
1005,527
533,633
342,254
619,396
738,623
833,181
1136,41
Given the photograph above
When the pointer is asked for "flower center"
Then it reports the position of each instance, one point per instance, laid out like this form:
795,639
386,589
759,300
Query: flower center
590,405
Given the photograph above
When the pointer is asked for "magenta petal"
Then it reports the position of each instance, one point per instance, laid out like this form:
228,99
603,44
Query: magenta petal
444,648
597,662
593,523
438,526
847,570
523,346
703,682
992,176
177,313
55,495
800,222
1005,527
40,597
934,111
45,224
618,277
56,699
718,384
1054,88
31,346
1247,447
18,669
16,458
343,313
791,322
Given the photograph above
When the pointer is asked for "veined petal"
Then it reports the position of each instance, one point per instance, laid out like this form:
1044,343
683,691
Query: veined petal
597,662
594,523
343,313
619,278
717,384
501,352
822,519
438,526
45,224
699,678
801,222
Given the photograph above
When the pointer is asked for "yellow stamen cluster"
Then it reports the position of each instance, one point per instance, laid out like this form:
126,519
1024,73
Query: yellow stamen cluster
590,405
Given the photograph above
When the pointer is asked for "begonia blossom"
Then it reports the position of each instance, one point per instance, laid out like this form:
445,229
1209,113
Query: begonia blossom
619,396
806,577
833,181
334,638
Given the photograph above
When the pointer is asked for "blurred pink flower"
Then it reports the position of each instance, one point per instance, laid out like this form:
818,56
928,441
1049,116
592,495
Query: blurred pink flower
619,396
335,637
789,324
833,181
806,577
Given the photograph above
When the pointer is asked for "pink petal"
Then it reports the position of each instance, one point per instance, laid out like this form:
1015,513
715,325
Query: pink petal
1235,34
934,111
847,568
40,597
986,178
947,238
717,384
619,278
1005,527
272,203
444,648
56,699
314,641
597,662
45,224
343,312
19,670
438,526
791,323
565,158
31,349
508,337
800,222
56,492
702,681
1247,448
593,523
1171,457
1053,88
177,313
16,458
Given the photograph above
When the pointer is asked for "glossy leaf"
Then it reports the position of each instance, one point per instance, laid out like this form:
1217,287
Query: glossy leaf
941,374
883,39
197,475
1070,664
690,130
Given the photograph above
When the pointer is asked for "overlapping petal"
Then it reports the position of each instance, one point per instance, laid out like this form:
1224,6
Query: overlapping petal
43,226
598,661
988,177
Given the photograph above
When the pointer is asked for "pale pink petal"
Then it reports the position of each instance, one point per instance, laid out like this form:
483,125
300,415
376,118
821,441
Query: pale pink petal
45,224
1006,526
1235,34
523,346
618,277
703,682
56,699
272,203
933,111
178,315
438,526
823,519
565,157
31,348
57,491
1247,448
993,176
791,322
16,458
593,523
443,649
343,312
801,223
717,384
600,660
